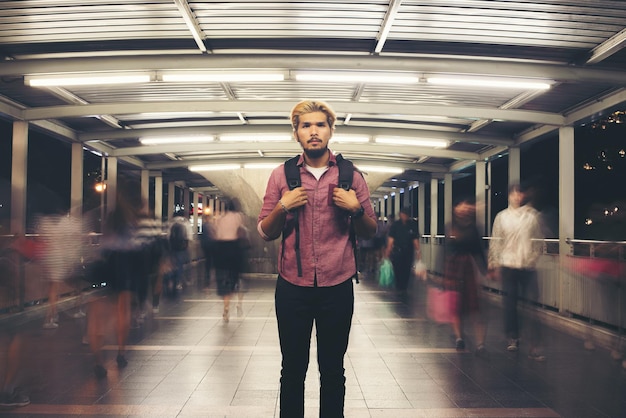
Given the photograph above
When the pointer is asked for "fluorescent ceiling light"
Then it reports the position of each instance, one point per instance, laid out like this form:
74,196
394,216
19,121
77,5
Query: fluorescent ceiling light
413,142
380,169
490,82
357,77
261,165
85,79
350,139
214,167
218,77
176,139
256,138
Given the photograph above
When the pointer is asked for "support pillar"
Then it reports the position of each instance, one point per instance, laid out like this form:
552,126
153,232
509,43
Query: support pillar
421,208
19,177
514,165
434,200
566,205
171,190
158,197
111,184
481,200
447,199
145,186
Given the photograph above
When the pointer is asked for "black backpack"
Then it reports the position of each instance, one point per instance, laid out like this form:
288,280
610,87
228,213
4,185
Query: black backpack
292,174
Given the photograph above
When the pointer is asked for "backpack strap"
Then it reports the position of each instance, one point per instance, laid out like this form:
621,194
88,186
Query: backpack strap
346,169
346,172
292,174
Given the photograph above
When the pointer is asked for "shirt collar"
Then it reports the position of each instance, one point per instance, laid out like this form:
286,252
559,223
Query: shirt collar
331,161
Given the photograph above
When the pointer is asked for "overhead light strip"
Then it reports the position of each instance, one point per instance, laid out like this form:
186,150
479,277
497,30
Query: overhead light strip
489,82
380,169
256,138
214,167
413,142
357,77
220,77
176,140
86,79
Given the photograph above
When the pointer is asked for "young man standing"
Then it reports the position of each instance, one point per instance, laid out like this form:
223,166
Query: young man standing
317,288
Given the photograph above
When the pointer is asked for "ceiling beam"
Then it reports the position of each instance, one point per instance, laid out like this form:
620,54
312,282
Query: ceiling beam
493,67
263,107
434,168
409,152
370,131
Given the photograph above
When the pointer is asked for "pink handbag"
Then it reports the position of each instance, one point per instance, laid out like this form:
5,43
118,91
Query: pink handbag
442,305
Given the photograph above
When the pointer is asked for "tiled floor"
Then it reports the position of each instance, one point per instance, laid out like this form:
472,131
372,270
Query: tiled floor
186,362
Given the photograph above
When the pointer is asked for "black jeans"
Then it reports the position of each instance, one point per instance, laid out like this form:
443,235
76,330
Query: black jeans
518,283
402,264
297,308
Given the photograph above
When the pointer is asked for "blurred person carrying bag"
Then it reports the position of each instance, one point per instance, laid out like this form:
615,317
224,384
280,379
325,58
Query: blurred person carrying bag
386,277
442,301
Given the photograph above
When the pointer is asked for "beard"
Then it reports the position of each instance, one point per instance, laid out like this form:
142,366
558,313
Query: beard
316,152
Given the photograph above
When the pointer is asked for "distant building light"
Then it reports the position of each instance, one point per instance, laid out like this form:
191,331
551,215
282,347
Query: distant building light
588,166
588,221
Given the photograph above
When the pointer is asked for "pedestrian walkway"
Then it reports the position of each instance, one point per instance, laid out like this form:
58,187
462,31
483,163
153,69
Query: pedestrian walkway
185,361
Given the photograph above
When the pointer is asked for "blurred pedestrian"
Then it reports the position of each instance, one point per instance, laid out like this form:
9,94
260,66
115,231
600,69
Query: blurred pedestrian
207,243
514,250
465,262
403,248
11,395
61,239
122,268
150,241
179,236
11,341
228,255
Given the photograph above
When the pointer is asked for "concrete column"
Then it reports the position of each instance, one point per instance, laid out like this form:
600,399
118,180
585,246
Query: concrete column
514,165
481,201
447,199
76,181
158,197
145,186
196,205
171,190
434,200
566,204
205,200
488,196
186,201
421,207
111,184
19,164
396,204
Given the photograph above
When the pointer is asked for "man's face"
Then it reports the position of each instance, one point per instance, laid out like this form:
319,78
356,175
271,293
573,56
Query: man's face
313,134
516,198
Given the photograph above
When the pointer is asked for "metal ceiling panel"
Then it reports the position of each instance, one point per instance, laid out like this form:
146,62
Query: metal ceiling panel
552,40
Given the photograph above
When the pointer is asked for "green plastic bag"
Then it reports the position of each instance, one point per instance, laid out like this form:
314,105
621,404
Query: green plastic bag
385,274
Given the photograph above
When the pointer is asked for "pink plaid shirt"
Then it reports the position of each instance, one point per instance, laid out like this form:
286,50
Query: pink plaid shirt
325,247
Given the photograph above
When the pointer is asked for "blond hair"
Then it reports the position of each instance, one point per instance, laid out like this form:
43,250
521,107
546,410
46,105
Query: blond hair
309,106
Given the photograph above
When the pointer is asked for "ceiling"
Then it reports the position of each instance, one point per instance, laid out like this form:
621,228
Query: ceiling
575,45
